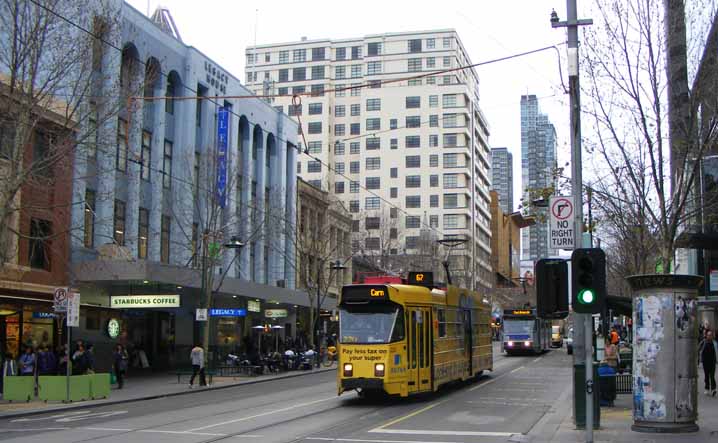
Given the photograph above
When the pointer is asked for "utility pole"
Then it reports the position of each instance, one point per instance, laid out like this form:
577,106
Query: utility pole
583,323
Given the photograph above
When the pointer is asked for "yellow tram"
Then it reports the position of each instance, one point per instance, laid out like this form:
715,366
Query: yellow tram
409,338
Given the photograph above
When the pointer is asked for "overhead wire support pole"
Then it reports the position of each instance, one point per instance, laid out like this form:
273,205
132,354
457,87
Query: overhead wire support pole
583,323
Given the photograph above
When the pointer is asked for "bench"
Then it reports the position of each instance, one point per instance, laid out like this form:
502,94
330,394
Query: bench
208,374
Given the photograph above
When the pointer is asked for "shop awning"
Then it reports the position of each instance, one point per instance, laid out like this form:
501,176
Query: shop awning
619,305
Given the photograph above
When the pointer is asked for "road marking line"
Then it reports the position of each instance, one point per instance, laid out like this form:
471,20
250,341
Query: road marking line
33,429
412,414
18,420
493,380
517,369
537,360
435,432
107,429
237,420
359,440
159,431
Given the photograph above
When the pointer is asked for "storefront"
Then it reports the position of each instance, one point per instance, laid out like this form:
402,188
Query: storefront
27,322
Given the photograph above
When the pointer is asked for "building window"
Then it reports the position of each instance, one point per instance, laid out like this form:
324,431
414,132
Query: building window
316,183
450,120
371,243
447,42
356,89
434,161
170,92
165,240
413,201
412,241
413,161
283,75
434,201
413,221
339,167
354,206
314,127
121,156
356,71
353,187
431,62
314,147
339,129
451,181
340,111
294,110
412,141
283,56
339,187
393,212
299,167
318,54
118,227
431,80
413,181
354,167
317,90
341,53
373,163
299,74
314,166
451,221
394,143
317,72
373,143
393,192
356,52
450,140
315,108
298,89
146,154
372,203
394,172
433,101
434,219
392,123
415,45
339,148
414,82
89,231
451,201
434,121
373,104
143,229
354,128
374,49
373,182
414,65
372,223
413,102
434,181
340,72
373,124
39,253
299,55
373,68
167,165
430,43
413,121
451,160
449,100
433,141
447,62
354,148
355,109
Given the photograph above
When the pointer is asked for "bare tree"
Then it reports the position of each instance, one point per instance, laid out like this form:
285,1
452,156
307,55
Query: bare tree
627,56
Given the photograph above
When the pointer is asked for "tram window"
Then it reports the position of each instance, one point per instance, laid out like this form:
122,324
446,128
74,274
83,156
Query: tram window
420,333
397,334
442,323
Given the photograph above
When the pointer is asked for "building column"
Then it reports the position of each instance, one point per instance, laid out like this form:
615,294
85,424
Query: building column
245,200
134,155
230,212
157,108
259,268
280,191
291,214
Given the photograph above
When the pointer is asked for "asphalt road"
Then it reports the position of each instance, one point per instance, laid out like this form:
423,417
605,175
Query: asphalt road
501,406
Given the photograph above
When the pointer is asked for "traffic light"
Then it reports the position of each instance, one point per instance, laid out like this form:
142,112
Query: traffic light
551,288
588,280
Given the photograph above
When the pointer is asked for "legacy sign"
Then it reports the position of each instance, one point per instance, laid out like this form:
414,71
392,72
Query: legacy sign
145,301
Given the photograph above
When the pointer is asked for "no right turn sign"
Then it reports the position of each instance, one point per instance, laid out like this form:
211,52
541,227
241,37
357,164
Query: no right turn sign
561,222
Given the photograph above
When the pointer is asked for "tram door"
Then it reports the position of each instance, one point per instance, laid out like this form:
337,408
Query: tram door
468,342
419,349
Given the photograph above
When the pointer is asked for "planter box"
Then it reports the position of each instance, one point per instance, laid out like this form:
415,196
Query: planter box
79,387
52,387
99,385
18,388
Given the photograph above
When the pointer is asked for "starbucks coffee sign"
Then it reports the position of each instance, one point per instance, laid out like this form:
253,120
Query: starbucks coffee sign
145,301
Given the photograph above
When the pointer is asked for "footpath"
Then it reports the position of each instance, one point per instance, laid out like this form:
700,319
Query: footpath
146,387
557,426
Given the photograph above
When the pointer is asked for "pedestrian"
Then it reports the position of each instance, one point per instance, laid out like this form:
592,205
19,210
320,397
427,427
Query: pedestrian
611,355
707,353
9,369
46,361
90,353
119,357
197,359
79,360
62,359
614,336
27,362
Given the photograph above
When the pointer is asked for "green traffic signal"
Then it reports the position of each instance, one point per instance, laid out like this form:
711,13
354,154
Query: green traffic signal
586,296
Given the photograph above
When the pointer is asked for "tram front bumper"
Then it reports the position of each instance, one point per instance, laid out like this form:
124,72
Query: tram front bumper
369,384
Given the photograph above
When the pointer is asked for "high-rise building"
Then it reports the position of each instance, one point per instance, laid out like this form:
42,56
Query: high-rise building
404,150
502,177
538,165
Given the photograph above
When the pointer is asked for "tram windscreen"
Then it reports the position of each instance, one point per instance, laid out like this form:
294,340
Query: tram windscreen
371,324
518,327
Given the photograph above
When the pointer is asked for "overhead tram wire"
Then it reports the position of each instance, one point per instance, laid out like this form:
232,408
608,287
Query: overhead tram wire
213,99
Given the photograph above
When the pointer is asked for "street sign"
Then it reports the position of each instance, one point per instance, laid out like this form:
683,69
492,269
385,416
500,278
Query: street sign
226,312
73,309
60,300
222,144
561,223
200,314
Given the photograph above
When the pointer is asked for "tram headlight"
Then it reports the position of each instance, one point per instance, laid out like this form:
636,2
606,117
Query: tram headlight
527,343
379,370
348,369
510,344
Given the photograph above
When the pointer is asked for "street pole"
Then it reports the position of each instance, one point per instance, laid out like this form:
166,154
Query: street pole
583,323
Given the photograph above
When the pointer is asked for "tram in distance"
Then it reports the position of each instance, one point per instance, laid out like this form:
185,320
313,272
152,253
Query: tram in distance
525,332
408,337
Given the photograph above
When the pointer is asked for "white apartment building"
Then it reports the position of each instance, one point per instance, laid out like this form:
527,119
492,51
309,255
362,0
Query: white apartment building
403,156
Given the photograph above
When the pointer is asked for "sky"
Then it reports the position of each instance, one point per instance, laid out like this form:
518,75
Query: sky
488,29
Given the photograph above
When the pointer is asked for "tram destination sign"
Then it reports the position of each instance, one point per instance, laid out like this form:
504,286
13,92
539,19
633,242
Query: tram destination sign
561,222
145,301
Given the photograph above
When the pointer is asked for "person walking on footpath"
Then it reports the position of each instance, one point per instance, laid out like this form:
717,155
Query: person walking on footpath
707,353
197,359
119,364
46,361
